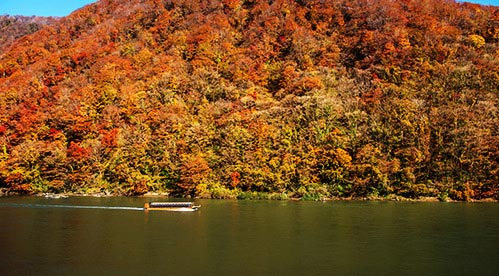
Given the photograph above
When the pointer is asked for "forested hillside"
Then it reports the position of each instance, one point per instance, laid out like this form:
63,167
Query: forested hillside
256,99
13,27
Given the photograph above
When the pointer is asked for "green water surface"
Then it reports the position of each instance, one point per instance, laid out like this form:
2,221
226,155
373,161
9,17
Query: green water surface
39,236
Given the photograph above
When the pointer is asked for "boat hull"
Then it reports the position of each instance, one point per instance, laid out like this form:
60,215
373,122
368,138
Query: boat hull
176,209
171,206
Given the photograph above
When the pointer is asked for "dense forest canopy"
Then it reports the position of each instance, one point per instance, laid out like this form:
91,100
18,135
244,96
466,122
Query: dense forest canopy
256,99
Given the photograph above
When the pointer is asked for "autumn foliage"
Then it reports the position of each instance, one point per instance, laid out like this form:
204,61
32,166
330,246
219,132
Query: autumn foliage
256,98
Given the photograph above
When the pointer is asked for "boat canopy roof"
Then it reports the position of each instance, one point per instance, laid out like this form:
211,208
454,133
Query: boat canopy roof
170,204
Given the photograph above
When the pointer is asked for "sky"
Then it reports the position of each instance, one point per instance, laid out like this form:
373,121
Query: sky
65,7
483,2
42,7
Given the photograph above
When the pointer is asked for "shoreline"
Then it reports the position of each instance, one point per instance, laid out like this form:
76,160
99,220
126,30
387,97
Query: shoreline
4,193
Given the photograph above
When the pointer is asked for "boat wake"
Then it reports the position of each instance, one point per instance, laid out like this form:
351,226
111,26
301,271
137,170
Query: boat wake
72,206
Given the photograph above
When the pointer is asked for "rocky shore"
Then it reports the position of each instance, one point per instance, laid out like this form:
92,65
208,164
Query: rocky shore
5,192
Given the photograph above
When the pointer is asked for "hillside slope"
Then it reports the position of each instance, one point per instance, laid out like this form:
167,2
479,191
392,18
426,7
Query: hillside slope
254,98
14,27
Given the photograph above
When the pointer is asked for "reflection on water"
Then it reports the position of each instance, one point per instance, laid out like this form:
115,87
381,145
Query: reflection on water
247,238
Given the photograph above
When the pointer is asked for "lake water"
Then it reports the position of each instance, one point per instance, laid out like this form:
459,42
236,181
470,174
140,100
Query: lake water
247,238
